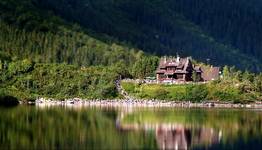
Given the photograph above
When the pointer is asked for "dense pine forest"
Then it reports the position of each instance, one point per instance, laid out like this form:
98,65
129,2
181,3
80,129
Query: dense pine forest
78,48
224,32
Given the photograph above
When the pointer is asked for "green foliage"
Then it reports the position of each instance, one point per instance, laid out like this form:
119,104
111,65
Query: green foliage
4,56
227,95
145,67
106,91
24,15
258,83
26,81
247,76
130,88
65,46
121,69
196,93
160,93
23,66
236,86
226,74
177,93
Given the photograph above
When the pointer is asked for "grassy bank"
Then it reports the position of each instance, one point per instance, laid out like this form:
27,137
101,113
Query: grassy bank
170,92
217,90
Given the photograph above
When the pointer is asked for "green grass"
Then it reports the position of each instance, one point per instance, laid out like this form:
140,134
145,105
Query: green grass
191,92
157,91
164,91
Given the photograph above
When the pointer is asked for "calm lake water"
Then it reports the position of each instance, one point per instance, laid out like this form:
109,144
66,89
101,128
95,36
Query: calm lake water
31,127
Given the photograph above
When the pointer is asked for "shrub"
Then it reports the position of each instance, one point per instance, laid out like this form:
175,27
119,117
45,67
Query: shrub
108,91
160,93
4,56
226,95
177,92
23,66
196,93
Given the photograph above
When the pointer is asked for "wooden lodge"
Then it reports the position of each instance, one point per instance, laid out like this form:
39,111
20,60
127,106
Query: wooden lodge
176,69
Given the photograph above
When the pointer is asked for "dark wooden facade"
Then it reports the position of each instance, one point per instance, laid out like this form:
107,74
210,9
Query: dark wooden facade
175,70
171,70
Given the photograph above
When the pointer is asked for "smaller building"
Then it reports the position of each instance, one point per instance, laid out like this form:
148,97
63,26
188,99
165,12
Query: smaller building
211,73
176,69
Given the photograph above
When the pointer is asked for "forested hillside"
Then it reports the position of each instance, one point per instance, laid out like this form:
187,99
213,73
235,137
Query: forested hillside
28,32
233,22
224,32
78,48
37,49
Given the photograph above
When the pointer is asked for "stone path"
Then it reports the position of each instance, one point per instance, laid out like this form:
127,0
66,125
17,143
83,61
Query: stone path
122,91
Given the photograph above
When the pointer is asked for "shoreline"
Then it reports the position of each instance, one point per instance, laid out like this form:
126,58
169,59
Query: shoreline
76,102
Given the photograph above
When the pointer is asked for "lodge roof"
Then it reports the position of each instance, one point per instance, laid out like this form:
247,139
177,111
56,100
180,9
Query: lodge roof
210,73
160,71
180,63
172,64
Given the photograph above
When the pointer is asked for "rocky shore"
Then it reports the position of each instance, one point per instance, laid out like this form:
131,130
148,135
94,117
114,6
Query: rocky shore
76,102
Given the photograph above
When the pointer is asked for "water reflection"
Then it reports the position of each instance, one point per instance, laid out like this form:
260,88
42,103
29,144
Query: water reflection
117,128
174,135
184,138
197,128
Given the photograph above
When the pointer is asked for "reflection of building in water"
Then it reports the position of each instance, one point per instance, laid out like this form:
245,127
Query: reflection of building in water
173,139
184,138
177,136
174,135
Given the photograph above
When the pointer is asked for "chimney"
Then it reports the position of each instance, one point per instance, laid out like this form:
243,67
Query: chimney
165,59
177,58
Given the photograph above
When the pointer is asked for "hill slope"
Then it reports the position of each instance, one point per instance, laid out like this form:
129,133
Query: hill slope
27,31
202,29
224,32
36,47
